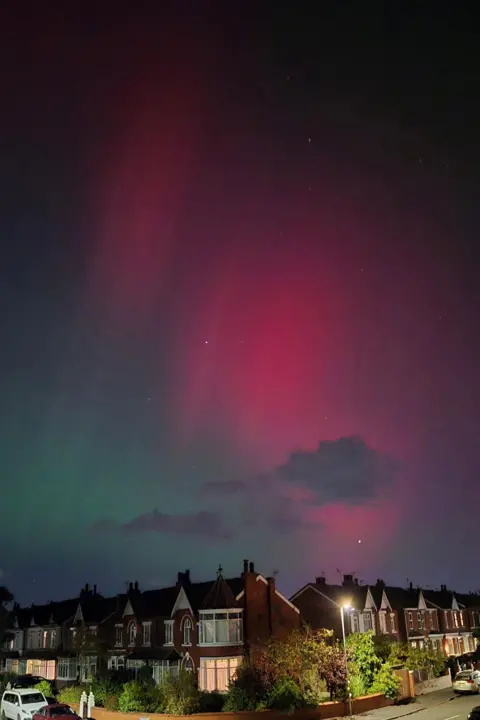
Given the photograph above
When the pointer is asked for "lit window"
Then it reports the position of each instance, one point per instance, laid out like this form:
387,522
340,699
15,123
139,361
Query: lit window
432,620
168,632
367,621
410,620
382,621
147,633
224,627
187,632
132,633
393,622
216,674
455,619
355,622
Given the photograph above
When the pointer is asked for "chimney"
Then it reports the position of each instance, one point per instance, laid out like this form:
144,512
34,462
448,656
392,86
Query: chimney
130,587
411,585
380,583
94,589
186,576
320,580
86,588
252,567
245,566
136,585
347,580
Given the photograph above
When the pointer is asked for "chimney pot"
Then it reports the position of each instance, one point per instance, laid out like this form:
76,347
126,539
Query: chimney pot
347,579
252,567
411,585
130,587
320,580
136,585
245,566
187,576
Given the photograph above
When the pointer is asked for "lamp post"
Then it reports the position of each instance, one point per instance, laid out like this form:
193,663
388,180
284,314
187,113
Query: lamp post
342,608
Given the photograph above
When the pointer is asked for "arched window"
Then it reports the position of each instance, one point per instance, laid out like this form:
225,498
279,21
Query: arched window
132,633
187,631
187,663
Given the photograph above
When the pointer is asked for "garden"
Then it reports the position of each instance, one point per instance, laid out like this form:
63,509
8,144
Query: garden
302,670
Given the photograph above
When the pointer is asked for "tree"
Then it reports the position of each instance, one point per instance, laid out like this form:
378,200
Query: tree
362,655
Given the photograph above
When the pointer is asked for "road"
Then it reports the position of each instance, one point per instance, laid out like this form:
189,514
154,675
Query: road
441,705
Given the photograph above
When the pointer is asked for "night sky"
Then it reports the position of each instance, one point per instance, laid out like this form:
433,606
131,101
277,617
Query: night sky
239,293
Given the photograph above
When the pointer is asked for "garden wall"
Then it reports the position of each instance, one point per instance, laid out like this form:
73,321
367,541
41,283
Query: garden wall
429,686
325,710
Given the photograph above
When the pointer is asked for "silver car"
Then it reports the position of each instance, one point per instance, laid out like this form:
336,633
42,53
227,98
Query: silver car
467,681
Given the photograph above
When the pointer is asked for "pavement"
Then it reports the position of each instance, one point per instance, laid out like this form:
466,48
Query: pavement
439,705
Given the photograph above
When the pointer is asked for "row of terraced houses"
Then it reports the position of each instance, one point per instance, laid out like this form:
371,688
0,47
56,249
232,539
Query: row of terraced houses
209,627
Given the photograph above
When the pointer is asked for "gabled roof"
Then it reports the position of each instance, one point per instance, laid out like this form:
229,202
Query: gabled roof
404,598
153,603
442,599
197,593
357,596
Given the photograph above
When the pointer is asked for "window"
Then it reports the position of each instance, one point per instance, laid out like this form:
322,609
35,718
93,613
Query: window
34,639
147,633
393,623
410,620
355,622
447,620
132,633
419,620
187,631
187,664
168,632
432,620
382,621
50,639
462,617
88,668
455,619
218,673
116,662
224,627
367,621
67,669
164,668
119,635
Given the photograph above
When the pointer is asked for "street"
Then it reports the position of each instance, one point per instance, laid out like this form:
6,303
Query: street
442,705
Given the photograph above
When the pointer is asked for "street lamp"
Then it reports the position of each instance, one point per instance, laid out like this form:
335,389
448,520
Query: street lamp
342,608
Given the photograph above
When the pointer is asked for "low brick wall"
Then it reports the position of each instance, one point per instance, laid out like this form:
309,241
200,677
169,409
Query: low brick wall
325,710
429,686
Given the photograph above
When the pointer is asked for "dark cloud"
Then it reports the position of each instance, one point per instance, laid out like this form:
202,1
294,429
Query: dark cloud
345,469
203,524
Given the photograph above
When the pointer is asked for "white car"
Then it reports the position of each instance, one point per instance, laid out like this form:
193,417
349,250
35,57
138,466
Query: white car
20,704
467,681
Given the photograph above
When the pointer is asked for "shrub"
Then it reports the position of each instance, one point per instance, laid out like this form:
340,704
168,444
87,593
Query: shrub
361,651
211,702
285,695
70,695
180,694
133,698
356,684
386,682
44,687
248,689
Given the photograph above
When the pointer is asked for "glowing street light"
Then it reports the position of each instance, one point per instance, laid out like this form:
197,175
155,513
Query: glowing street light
343,607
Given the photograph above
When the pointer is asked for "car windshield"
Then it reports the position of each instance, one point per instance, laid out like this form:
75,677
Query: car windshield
32,698
64,710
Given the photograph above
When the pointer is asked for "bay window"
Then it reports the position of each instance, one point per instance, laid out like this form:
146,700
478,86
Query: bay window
67,669
220,627
216,674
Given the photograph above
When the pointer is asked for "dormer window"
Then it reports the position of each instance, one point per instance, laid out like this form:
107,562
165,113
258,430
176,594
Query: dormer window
187,631
132,633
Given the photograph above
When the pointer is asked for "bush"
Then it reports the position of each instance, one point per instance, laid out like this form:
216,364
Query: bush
356,684
386,682
248,689
180,694
44,687
285,695
361,651
133,698
70,695
211,702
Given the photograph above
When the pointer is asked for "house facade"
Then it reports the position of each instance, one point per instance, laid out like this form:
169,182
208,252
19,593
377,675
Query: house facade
363,608
454,619
205,628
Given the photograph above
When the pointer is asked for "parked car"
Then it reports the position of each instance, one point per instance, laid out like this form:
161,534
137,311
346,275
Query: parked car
467,681
57,711
20,704
474,714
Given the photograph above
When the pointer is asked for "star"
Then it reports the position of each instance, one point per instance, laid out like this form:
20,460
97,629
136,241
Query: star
206,342
309,140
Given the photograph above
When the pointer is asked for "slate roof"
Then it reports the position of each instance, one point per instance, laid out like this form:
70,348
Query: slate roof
402,598
220,596
153,603
469,600
353,595
198,593
441,598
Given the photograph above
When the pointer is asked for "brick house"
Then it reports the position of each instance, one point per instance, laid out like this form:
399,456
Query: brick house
364,608
454,620
418,621
206,628
471,603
